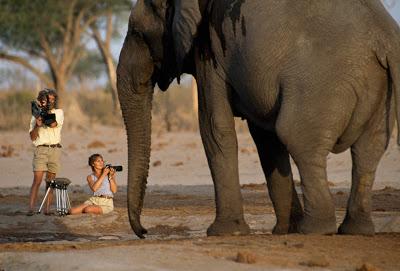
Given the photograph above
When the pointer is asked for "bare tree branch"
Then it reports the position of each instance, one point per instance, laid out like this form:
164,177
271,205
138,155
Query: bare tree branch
109,30
52,60
107,58
21,61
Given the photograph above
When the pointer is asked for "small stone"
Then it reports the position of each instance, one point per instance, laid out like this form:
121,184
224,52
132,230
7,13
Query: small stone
245,257
109,237
368,267
316,262
96,144
298,245
157,163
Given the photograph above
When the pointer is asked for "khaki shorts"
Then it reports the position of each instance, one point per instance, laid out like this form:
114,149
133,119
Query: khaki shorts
46,159
106,205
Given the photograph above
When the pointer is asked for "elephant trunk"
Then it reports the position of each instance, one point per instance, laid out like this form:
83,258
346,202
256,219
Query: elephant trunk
136,109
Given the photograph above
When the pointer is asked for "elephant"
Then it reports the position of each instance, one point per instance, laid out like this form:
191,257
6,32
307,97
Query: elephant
309,77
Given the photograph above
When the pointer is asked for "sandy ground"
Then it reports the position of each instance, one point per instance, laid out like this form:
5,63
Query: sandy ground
179,206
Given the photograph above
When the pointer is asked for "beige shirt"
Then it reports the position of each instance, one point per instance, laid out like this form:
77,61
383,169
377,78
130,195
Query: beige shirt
47,135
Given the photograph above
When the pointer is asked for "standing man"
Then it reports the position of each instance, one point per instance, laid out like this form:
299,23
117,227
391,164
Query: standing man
45,133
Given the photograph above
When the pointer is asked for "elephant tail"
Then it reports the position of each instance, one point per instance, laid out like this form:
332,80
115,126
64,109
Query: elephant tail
394,83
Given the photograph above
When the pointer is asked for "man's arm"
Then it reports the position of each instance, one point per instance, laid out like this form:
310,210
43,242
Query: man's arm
53,124
35,131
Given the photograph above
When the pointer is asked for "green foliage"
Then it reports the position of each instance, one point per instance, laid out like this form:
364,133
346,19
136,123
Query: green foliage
90,66
22,22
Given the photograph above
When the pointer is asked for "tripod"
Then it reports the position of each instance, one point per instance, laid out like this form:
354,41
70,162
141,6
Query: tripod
62,200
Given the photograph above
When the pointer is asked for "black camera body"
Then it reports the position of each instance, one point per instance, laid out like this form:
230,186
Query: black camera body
116,168
37,111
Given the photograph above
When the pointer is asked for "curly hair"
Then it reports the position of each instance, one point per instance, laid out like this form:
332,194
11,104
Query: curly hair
42,95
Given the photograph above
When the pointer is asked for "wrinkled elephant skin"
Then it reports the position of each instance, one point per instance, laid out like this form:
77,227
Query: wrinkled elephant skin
310,78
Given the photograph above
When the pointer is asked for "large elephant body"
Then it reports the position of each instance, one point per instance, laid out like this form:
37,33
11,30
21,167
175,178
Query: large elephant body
310,77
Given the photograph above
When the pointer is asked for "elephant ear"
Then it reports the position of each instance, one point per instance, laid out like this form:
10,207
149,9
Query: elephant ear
187,17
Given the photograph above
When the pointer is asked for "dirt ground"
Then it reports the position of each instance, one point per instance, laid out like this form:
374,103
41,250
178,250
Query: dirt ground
179,206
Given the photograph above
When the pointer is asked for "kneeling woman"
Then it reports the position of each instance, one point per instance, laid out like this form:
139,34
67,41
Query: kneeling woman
102,182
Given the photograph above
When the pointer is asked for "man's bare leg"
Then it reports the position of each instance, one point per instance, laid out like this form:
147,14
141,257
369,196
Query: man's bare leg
49,176
37,180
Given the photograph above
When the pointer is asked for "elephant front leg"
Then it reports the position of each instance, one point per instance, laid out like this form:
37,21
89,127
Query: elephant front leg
218,134
275,162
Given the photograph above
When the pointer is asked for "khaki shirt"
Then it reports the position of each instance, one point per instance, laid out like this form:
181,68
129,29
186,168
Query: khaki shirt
47,135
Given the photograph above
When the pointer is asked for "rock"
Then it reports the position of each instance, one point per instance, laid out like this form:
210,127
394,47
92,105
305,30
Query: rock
96,144
245,257
109,237
368,267
316,262
157,163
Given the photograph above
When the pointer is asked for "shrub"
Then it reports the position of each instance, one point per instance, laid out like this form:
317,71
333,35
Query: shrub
15,109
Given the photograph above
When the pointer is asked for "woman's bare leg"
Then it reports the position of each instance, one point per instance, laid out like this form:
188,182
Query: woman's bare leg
78,209
93,209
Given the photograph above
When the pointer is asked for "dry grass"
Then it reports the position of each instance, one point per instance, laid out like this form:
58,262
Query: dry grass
172,110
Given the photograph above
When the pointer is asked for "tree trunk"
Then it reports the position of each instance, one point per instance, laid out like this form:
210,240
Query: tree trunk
112,76
104,47
60,83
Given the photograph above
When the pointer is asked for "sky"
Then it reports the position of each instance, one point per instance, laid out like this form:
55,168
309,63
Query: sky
393,7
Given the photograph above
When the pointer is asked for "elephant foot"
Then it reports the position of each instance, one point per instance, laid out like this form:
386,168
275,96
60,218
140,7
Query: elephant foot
310,225
228,227
363,226
280,229
284,228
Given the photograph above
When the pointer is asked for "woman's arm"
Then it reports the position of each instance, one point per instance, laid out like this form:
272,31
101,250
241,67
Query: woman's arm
113,184
95,185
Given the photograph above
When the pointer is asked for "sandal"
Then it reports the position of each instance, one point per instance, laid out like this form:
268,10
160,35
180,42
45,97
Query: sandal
31,213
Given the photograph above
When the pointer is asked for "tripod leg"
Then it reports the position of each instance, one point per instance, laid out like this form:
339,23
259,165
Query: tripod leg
64,201
68,202
44,199
58,200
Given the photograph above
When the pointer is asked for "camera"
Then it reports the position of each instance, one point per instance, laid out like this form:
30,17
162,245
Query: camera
116,168
38,111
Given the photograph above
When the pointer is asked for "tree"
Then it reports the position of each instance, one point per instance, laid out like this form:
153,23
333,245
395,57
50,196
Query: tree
104,45
90,66
49,31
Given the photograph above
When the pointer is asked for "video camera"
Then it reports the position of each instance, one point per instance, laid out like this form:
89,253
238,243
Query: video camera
117,168
38,111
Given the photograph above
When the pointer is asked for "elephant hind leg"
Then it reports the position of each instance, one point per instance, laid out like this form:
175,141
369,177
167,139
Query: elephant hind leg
366,154
309,154
275,162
